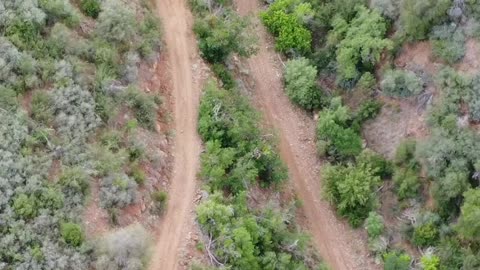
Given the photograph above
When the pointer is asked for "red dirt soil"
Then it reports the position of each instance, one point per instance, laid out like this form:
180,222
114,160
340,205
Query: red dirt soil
181,48
339,245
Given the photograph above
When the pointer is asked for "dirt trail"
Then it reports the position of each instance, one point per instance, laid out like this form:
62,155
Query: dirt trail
341,247
181,48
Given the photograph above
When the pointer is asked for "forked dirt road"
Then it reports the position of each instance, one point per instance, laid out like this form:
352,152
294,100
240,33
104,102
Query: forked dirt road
341,247
181,47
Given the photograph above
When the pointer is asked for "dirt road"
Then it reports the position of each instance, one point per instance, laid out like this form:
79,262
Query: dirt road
341,247
181,48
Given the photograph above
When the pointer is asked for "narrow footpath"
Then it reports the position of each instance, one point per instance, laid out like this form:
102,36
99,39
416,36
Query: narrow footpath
181,47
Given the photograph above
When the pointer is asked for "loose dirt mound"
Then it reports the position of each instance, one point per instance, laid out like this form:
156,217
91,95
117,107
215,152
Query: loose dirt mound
181,50
341,247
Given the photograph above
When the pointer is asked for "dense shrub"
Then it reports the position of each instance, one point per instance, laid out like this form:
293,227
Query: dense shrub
72,234
286,20
417,17
468,226
116,22
225,76
405,152
60,10
407,184
91,7
448,42
388,8
425,235
374,225
300,84
250,239
396,261
18,69
74,111
401,83
367,82
8,98
144,107
351,189
160,199
235,155
341,140
450,159
117,191
379,165
123,249
221,35
430,262
359,43
41,107
368,110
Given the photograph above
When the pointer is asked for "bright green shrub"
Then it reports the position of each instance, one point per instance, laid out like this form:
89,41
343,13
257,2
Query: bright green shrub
225,76
300,84
91,7
368,110
430,262
343,141
360,43
286,20
25,206
367,81
425,235
374,225
401,83
221,35
379,165
407,184
351,189
229,128
72,234
396,261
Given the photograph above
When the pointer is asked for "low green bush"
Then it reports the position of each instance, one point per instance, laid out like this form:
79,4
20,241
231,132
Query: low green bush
407,184
352,190
72,234
301,84
379,165
396,261
144,107
91,7
286,21
160,199
41,106
401,83
374,225
333,127
225,76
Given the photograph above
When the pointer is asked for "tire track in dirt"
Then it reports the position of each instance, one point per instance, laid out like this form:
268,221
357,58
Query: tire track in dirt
339,245
181,49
